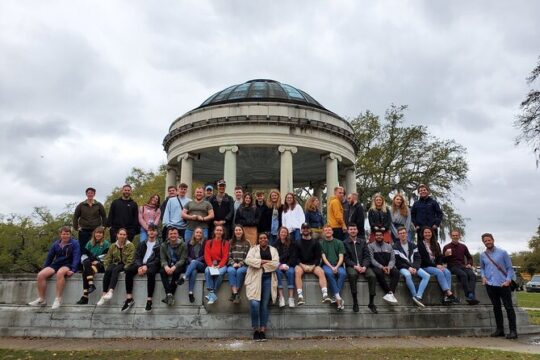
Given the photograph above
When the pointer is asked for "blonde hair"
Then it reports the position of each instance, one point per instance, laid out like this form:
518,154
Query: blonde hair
383,206
310,204
403,208
269,202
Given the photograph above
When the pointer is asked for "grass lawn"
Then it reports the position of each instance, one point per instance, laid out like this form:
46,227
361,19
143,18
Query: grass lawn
526,299
378,354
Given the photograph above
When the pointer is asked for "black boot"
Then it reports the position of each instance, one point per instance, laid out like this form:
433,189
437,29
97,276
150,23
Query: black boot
497,333
512,335
355,307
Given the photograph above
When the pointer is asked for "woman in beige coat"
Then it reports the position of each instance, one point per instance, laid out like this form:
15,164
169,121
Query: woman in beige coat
261,283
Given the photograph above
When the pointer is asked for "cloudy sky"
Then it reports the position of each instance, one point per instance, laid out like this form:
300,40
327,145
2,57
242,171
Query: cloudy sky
89,89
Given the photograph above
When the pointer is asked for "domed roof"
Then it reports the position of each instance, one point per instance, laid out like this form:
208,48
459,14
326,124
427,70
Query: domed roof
262,90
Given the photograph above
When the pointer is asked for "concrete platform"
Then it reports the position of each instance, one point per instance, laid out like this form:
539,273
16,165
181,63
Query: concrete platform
224,319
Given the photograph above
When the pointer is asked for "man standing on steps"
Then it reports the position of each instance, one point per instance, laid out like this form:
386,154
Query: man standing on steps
335,213
357,261
355,214
383,264
460,263
172,217
197,213
88,215
426,212
497,274
171,193
124,213
223,206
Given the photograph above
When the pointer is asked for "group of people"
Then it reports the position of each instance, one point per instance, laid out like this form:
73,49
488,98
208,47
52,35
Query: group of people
260,242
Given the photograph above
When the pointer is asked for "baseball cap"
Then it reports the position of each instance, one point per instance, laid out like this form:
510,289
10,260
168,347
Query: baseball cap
221,182
305,226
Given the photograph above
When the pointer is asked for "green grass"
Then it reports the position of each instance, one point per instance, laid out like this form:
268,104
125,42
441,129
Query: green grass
525,299
376,354
534,316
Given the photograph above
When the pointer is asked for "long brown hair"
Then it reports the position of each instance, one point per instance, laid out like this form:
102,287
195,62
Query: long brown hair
192,241
433,245
286,206
234,240
287,239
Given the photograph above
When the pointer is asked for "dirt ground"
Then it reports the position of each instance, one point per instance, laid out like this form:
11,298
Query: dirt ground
526,344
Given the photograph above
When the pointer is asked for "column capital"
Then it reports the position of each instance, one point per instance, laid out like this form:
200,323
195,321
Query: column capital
171,168
186,156
231,148
283,148
350,168
331,156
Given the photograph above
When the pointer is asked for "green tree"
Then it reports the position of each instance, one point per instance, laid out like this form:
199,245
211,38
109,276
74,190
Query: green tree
528,122
393,158
24,240
144,184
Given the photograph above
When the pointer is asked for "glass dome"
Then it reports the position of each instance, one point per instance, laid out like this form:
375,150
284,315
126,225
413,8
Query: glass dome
262,90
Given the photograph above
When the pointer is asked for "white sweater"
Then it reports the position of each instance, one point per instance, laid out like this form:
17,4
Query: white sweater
293,219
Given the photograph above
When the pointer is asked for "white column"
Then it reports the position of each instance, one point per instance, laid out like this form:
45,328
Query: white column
350,180
286,170
229,165
186,171
170,180
332,181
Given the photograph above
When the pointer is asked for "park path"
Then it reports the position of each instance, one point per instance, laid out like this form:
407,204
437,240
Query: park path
525,344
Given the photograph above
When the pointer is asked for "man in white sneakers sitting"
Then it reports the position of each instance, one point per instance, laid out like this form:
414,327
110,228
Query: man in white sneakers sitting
383,264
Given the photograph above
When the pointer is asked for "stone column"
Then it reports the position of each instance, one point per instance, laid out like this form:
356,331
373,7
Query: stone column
186,171
171,177
229,166
286,171
350,180
332,181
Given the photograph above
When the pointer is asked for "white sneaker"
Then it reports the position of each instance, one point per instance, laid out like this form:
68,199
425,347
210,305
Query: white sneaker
394,300
108,296
341,306
38,302
56,304
281,301
101,301
291,302
388,298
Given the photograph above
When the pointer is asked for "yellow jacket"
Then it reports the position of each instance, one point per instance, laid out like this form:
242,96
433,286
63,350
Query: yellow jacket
335,213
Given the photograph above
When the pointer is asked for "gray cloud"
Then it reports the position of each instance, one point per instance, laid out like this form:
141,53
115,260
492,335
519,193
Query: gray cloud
94,89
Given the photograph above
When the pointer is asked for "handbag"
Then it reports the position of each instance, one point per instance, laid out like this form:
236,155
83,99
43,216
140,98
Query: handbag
513,284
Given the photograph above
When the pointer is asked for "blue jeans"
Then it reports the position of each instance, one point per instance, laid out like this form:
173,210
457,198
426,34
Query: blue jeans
193,268
259,309
214,282
444,278
273,240
289,275
236,276
189,233
410,284
295,235
335,285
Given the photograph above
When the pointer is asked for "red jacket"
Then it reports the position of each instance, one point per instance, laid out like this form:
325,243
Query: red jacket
217,250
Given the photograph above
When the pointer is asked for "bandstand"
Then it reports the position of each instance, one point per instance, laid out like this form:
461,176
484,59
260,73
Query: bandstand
262,134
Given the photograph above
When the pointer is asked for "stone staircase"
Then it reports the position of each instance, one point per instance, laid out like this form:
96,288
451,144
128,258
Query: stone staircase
225,319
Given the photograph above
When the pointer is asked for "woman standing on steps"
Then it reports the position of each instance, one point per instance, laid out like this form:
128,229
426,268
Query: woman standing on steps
121,254
95,252
261,283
